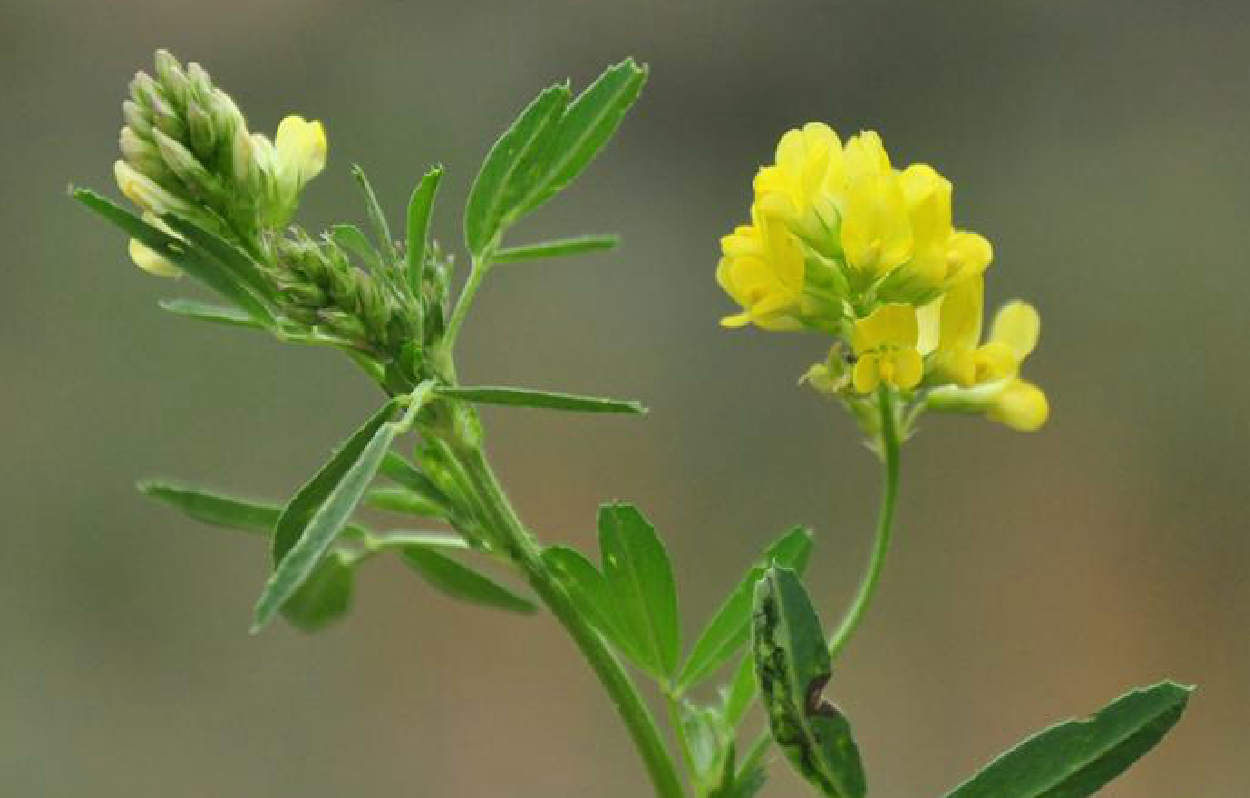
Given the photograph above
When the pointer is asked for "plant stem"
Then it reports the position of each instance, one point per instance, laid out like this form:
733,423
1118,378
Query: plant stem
885,525
477,270
612,675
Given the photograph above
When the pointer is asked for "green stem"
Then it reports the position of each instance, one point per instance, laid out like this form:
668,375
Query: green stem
477,270
885,525
673,703
612,675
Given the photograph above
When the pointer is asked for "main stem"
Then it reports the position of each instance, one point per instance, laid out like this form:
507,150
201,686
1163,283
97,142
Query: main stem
612,675
885,525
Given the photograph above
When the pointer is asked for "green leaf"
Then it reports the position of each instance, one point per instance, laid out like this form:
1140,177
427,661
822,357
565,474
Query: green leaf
585,128
319,512
313,494
396,468
198,263
203,311
741,691
402,500
223,252
215,508
793,666
1078,757
377,217
352,238
557,249
462,582
640,581
589,590
548,400
325,596
730,627
420,209
509,168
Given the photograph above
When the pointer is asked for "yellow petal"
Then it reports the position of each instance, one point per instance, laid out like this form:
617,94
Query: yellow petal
1021,405
301,148
888,325
1017,325
865,155
151,262
962,307
967,255
867,374
908,368
995,361
876,231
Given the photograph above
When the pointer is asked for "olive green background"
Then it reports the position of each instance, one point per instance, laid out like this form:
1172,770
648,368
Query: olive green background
1100,145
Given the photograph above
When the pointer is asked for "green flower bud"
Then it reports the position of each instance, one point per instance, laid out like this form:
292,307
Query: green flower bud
136,118
203,136
172,79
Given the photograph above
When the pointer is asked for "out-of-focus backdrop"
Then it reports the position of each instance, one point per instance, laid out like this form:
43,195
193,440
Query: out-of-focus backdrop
1100,146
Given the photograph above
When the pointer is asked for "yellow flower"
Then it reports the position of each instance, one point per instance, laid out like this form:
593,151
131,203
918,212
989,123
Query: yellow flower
1020,405
145,192
800,188
762,270
885,349
952,331
147,259
986,377
300,151
876,233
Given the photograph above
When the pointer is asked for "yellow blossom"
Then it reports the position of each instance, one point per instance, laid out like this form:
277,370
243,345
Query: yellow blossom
145,192
1020,405
801,187
885,349
148,259
300,150
952,332
762,270
876,232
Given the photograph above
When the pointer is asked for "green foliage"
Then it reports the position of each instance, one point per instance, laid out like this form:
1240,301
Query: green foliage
563,247
203,311
215,508
1076,758
548,145
640,582
420,210
462,582
325,596
310,498
321,509
377,217
728,630
201,264
402,500
547,400
793,667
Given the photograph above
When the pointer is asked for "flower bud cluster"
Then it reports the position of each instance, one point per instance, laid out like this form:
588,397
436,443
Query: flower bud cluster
186,149
322,287
843,242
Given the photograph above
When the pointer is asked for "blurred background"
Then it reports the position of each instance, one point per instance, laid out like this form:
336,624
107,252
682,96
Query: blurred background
1100,146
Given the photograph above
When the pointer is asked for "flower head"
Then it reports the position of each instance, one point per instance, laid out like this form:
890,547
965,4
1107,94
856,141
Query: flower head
843,241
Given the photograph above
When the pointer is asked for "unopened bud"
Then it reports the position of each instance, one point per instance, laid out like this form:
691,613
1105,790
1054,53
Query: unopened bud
141,154
227,118
166,118
200,127
201,85
243,160
136,118
172,79
144,192
182,162
143,90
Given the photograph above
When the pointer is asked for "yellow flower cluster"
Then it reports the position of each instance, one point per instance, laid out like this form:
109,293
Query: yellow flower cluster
843,242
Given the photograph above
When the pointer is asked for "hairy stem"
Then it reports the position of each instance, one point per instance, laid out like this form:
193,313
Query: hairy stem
885,526
526,552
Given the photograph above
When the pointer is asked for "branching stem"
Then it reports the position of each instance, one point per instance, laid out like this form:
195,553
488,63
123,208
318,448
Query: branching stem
885,526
